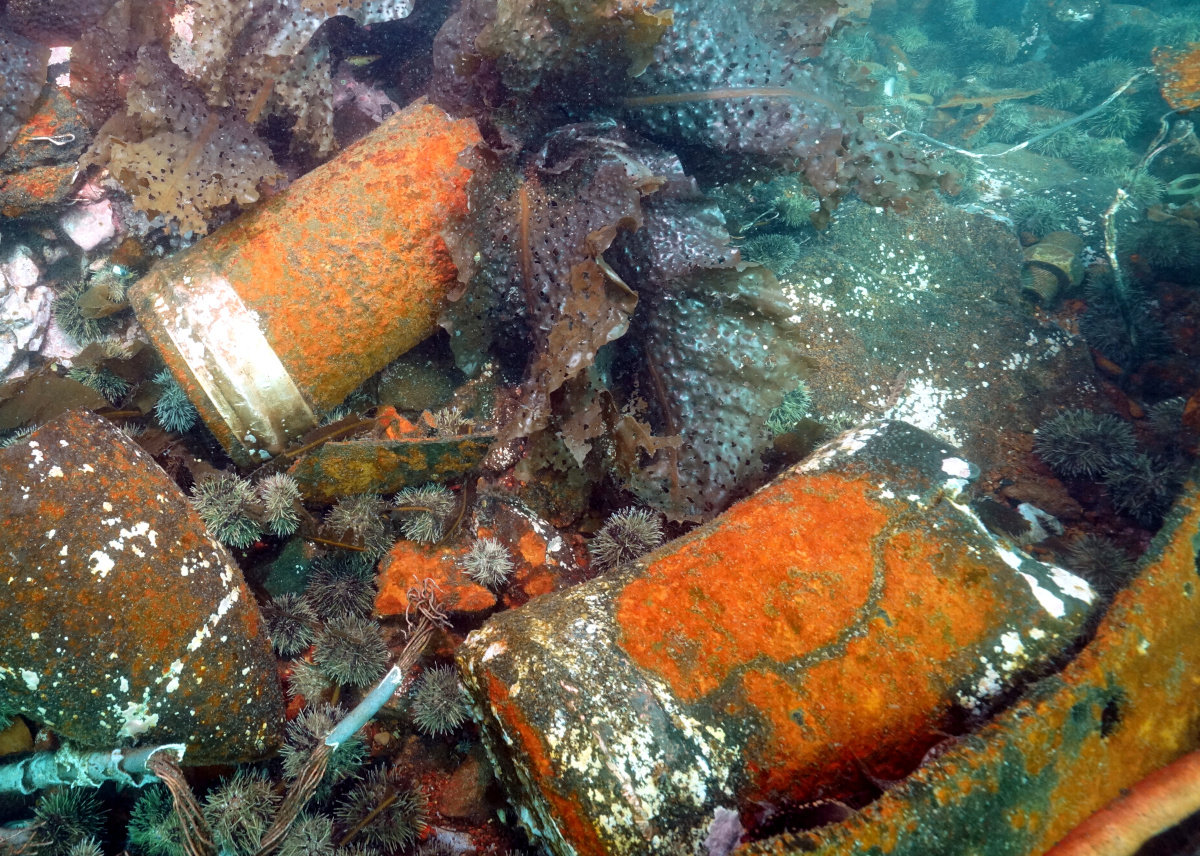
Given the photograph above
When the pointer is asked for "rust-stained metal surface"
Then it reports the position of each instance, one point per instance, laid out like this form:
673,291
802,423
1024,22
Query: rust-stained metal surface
288,308
385,466
828,627
1129,704
121,620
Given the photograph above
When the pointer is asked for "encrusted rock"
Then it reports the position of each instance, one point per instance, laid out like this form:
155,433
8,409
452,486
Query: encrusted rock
121,620
39,169
25,310
832,625
920,318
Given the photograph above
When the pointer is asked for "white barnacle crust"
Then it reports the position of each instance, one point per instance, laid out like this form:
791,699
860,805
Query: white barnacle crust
100,563
136,717
620,760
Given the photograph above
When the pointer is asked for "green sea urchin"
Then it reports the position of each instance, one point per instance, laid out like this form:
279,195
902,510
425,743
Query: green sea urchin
240,810
341,584
222,501
1101,562
1119,119
1083,443
306,731
1143,486
438,706
1039,215
777,252
174,411
361,520
309,835
794,407
627,535
279,495
292,624
351,651
1100,157
488,563
65,816
154,828
427,510
383,812
1064,93
106,383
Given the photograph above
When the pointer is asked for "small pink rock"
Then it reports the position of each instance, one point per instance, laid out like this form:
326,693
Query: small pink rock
89,226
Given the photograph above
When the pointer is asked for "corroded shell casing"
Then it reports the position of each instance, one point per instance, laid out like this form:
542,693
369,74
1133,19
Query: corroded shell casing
1052,266
287,309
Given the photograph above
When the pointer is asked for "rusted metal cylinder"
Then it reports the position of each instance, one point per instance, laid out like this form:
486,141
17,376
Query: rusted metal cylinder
820,634
121,620
287,309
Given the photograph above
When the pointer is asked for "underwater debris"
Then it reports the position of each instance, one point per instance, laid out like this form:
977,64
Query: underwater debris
1053,265
270,275
707,625
121,541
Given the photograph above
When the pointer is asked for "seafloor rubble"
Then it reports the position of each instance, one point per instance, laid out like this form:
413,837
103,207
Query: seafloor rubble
650,426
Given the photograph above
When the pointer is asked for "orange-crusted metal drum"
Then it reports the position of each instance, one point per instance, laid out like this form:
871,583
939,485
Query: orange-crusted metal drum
287,309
